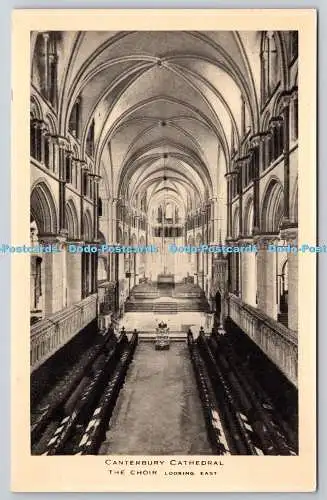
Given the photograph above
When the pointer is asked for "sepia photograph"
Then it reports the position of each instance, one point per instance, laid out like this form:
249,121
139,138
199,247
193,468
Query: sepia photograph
163,250
186,142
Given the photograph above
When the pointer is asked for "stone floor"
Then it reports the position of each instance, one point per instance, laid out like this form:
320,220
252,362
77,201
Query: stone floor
158,410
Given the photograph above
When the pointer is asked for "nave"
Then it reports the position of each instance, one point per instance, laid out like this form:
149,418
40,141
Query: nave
150,139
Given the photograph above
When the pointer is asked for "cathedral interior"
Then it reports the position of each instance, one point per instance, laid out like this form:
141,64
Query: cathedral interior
158,138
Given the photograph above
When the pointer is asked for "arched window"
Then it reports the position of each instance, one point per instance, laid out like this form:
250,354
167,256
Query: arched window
68,164
100,207
248,217
277,138
43,208
270,65
47,149
46,60
35,138
71,220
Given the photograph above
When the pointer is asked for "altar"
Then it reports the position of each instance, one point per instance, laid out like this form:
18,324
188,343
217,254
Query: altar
166,279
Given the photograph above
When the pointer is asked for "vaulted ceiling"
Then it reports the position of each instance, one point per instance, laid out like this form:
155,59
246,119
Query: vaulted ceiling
164,104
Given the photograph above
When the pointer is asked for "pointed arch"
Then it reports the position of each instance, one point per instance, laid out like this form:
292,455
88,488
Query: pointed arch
43,208
87,226
35,108
248,216
272,207
294,203
72,220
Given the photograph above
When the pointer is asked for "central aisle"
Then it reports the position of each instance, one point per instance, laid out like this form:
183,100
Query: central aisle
158,410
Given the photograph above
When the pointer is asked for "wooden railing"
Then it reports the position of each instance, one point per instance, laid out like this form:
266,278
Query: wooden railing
279,343
50,334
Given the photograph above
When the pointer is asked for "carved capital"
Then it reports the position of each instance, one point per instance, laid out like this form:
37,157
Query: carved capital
264,239
61,141
84,166
288,231
95,177
243,161
276,122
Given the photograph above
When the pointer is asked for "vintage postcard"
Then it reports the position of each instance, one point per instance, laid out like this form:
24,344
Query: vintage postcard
163,250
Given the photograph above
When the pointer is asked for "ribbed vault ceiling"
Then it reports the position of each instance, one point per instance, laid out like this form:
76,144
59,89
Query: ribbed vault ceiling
164,103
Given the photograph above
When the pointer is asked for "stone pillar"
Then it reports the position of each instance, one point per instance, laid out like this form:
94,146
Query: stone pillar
229,176
115,220
54,273
257,142
62,144
240,165
44,133
53,154
34,145
74,276
290,236
293,291
248,274
286,152
267,276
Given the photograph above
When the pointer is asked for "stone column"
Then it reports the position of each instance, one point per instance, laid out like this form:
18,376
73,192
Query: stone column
266,275
240,165
96,179
290,236
215,219
74,275
62,144
229,176
55,282
257,142
286,152
115,220
43,137
53,154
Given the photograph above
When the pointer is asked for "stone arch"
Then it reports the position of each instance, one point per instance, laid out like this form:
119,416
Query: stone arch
35,108
294,203
272,207
51,124
102,268
101,237
87,226
273,63
119,236
248,216
71,220
236,223
43,208
198,239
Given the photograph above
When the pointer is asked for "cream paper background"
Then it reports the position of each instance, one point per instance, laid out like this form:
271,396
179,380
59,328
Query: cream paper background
89,473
